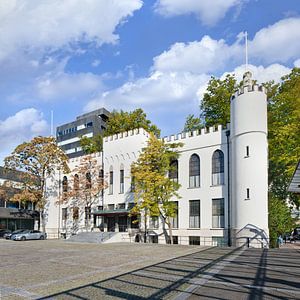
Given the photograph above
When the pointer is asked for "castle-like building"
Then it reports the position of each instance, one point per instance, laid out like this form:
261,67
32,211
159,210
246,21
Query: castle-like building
222,173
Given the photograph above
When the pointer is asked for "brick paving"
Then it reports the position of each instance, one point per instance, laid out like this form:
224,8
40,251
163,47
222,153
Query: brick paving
60,270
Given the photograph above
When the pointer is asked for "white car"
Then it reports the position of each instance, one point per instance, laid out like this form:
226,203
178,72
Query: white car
29,235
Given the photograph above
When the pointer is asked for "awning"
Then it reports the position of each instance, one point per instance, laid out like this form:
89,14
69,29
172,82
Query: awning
111,212
295,182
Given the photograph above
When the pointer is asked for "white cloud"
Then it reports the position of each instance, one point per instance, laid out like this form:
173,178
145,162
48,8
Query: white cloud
297,63
209,12
260,73
159,89
206,55
67,86
32,25
19,128
96,63
279,42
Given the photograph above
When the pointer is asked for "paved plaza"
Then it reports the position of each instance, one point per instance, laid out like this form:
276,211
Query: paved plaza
60,270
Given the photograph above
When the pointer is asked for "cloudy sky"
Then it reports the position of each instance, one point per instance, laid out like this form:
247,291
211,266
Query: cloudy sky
74,56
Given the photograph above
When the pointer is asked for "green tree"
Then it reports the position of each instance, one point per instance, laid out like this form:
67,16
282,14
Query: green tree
38,159
123,121
280,220
284,135
215,105
91,145
153,188
192,123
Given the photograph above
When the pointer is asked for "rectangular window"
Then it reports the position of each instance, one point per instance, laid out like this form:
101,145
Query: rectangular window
154,222
64,214
111,206
218,241
121,206
174,220
218,213
121,181
248,194
87,211
111,182
194,213
247,151
194,240
175,239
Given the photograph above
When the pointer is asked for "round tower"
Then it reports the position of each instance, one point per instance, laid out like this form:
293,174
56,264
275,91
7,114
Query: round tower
249,165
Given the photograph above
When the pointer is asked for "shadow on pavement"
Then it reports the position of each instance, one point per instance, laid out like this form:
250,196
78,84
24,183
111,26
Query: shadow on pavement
154,281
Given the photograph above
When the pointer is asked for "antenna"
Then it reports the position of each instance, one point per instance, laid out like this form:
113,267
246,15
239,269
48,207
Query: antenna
51,129
246,51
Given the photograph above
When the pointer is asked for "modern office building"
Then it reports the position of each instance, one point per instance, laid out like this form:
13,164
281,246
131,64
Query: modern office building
12,216
223,173
89,124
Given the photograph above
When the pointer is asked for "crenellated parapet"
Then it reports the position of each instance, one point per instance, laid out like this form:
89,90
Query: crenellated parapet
191,134
125,134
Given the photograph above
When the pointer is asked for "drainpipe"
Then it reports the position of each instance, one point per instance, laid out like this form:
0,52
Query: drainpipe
228,190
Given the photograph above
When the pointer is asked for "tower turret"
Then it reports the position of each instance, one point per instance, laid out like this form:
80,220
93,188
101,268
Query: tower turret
249,164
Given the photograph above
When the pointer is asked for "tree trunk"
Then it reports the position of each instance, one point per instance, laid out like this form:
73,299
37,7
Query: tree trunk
170,231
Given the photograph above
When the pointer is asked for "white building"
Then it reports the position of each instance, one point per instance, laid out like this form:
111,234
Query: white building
222,173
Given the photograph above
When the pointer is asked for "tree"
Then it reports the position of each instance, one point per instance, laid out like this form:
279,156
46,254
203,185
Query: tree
87,183
38,160
280,220
215,105
284,135
192,123
91,145
153,188
124,121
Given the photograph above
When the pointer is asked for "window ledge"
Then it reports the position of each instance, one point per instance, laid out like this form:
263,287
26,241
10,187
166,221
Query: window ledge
192,188
194,228
217,228
215,185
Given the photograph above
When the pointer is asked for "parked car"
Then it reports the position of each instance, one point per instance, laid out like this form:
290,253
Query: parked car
29,235
9,236
3,232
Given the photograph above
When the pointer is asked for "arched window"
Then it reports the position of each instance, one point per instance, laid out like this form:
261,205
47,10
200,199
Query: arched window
173,173
88,180
121,179
101,176
194,169
76,182
65,184
111,180
75,213
218,168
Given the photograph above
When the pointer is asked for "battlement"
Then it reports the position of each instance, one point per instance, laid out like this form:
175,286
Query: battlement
190,134
125,134
249,89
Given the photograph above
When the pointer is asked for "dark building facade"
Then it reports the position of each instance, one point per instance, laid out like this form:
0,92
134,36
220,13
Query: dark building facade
89,124
11,215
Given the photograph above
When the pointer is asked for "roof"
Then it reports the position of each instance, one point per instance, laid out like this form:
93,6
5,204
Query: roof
295,182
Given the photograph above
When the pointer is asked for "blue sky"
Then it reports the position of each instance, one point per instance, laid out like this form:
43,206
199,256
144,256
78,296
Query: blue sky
73,56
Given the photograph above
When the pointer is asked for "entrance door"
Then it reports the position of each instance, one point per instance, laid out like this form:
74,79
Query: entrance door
110,223
122,223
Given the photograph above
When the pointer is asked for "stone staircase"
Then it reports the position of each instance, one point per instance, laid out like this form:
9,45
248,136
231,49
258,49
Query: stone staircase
92,237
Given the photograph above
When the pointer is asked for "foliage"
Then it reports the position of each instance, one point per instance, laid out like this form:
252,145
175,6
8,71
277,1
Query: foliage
38,160
215,105
153,188
280,220
192,123
284,135
91,145
123,121
84,186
